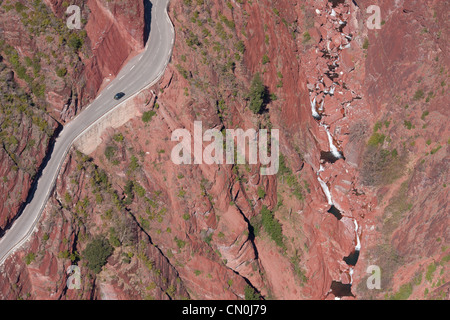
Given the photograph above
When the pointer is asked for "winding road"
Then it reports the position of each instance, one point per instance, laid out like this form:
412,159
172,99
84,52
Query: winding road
140,72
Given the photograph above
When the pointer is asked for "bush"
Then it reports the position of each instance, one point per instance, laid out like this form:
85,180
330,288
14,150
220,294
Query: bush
61,72
418,95
148,115
376,139
97,253
306,37
366,43
110,152
251,294
271,226
403,292
261,192
75,42
29,258
257,94
240,46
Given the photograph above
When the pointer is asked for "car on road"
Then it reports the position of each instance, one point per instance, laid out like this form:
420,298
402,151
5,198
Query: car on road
119,95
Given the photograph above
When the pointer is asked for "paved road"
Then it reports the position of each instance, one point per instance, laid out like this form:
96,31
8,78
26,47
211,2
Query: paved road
140,72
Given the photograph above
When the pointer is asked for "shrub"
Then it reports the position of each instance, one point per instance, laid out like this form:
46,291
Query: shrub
408,125
271,226
306,37
180,243
110,152
29,258
148,115
418,94
240,46
261,192
403,292
376,139
257,94
250,293
75,42
97,253
61,72
366,44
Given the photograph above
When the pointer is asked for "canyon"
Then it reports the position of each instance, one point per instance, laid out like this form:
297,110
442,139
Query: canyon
363,155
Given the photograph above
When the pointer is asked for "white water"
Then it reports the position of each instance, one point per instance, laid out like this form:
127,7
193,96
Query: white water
358,242
333,148
321,105
326,191
313,109
332,91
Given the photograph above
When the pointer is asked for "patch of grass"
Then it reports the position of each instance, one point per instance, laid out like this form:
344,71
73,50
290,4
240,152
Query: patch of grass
430,271
306,37
365,45
397,207
376,139
148,115
403,292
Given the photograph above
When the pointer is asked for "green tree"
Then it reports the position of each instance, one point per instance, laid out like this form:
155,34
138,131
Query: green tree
257,94
251,294
97,253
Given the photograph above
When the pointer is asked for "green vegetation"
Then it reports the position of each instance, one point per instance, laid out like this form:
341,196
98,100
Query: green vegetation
180,243
97,253
306,37
110,152
61,72
380,165
408,125
376,139
430,271
261,192
434,150
272,226
418,95
424,114
366,44
148,115
257,94
30,257
286,176
251,294
403,292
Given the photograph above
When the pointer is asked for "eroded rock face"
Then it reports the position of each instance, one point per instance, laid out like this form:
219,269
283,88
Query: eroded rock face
111,37
205,227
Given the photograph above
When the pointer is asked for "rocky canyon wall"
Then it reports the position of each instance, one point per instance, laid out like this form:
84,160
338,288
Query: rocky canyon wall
362,178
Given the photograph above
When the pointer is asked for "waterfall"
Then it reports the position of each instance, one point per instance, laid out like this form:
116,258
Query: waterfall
326,191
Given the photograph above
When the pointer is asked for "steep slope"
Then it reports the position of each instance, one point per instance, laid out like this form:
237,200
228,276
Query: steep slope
363,164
